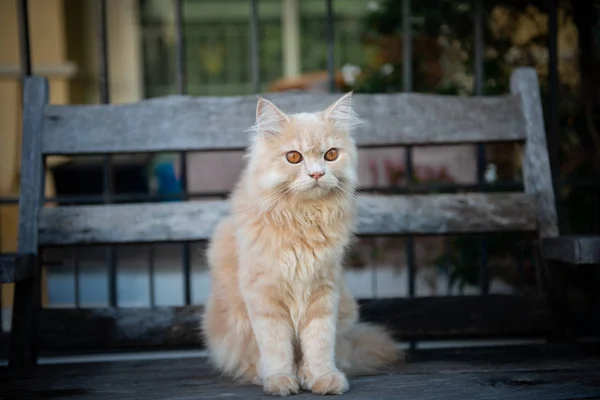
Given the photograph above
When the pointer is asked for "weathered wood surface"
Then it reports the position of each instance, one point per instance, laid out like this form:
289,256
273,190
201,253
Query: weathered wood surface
27,296
537,176
490,374
416,318
377,215
220,123
584,250
7,267
15,268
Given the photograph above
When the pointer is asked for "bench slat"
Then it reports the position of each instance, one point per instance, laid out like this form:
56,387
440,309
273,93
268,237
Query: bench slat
377,215
416,318
174,123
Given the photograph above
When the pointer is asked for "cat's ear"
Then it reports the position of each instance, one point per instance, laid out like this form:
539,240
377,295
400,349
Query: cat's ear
342,115
269,118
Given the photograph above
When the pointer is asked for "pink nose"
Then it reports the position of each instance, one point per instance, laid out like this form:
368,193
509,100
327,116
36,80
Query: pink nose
317,175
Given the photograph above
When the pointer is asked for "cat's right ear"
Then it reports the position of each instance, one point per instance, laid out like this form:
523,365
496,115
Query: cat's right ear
269,118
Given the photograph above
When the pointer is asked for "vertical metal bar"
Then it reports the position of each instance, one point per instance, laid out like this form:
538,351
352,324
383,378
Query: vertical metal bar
329,33
408,154
478,22
410,243
407,46
479,78
182,89
151,273
254,46
107,163
521,265
77,278
103,49
553,83
24,44
180,50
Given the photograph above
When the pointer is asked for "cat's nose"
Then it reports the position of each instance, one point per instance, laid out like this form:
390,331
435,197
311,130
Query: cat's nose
316,175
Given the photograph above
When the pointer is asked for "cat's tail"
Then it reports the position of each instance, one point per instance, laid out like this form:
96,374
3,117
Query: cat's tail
365,349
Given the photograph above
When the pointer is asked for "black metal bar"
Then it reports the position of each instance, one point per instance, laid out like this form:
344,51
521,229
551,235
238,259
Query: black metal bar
180,49
77,277
182,89
329,37
24,44
407,46
254,46
410,243
521,266
151,274
553,83
107,163
103,53
408,154
478,22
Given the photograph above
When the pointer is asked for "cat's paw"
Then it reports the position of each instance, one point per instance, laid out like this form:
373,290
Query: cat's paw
334,382
281,385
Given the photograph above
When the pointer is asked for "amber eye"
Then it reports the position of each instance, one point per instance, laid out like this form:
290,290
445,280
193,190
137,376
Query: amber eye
293,157
331,154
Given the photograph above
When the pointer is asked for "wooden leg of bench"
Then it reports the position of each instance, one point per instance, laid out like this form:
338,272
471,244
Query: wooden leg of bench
23,337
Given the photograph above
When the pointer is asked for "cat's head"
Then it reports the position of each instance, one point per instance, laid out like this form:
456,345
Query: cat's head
309,155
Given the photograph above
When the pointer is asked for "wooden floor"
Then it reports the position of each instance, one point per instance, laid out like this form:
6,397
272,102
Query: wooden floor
530,373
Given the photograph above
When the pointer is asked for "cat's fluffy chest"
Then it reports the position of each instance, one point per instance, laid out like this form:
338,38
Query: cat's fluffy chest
298,243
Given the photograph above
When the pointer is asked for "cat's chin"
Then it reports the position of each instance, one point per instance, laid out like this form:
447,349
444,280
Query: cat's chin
316,191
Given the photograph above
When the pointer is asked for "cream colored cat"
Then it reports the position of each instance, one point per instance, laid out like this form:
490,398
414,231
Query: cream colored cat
279,314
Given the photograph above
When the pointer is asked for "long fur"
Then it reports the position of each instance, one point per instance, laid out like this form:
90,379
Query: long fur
279,313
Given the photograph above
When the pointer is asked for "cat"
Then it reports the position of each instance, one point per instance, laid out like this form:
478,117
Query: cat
279,313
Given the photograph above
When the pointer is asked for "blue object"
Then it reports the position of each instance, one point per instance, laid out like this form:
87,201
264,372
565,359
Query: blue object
169,186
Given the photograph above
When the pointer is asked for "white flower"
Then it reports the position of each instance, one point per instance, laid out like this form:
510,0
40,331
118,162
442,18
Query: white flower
387,69
349,74
373,6
490,175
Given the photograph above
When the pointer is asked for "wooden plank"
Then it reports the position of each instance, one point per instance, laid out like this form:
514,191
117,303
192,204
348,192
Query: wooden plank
27,298
479,378
377,215
7,267
422,318
176,123
584,250
15,268
537,175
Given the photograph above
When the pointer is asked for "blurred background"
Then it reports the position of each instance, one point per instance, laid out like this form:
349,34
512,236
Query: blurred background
454,47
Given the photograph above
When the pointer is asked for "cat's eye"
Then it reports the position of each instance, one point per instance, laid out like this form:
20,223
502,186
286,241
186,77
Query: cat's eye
293,157
331,154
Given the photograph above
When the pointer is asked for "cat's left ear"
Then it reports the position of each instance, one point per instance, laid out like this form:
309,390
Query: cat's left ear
342,115
269,118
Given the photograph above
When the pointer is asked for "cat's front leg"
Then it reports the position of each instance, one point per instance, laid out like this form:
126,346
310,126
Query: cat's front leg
274,334
317,371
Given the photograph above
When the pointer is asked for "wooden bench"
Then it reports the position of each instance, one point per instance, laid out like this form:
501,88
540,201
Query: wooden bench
182,123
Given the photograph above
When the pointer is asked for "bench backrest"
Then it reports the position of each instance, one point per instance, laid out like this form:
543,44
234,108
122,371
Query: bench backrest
181,123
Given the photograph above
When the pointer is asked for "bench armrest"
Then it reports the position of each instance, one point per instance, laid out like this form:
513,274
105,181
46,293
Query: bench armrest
577,250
